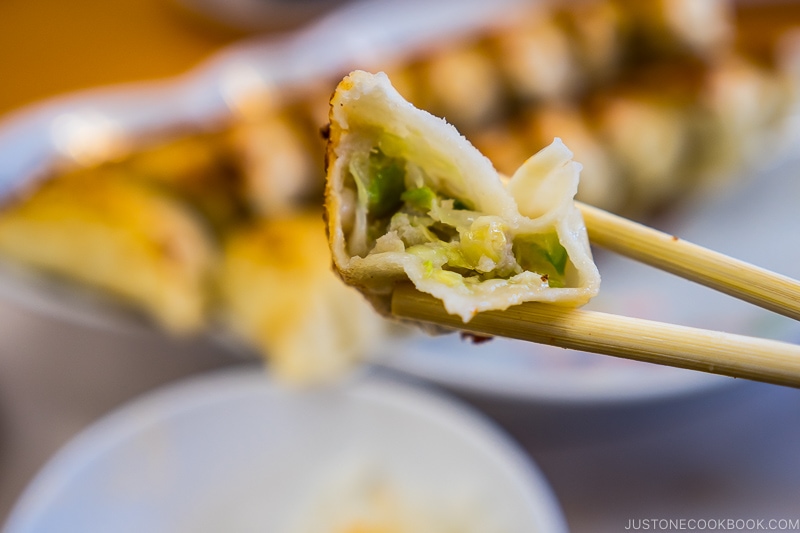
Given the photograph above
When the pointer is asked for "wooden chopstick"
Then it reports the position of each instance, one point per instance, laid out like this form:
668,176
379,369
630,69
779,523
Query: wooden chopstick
645,340
739,279
631,338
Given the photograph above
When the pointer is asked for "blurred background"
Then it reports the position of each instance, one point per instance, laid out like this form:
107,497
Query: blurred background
161,171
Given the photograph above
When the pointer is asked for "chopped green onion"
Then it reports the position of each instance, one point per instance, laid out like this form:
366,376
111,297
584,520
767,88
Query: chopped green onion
461,205
544,255
420,198
380,181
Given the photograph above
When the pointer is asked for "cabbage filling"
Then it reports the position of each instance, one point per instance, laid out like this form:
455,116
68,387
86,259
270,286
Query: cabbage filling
398,211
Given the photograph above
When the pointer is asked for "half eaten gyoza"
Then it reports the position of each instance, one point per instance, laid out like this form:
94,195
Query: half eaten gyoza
409,198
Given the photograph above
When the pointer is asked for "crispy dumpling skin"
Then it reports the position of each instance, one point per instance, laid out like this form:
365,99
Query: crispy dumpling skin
477,244
119,236
199,168
278,293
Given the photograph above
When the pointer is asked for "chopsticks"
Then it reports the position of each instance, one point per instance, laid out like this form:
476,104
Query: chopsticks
645,340
630,338
718,271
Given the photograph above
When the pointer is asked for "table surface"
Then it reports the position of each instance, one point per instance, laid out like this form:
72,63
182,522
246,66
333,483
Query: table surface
731,453
50,47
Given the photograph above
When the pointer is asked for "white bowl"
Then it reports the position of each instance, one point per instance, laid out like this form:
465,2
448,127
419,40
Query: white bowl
235,452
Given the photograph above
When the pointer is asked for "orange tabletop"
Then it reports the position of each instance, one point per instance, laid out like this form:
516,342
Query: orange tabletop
49,47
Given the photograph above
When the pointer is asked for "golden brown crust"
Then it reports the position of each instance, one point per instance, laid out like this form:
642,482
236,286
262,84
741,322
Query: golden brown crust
119,236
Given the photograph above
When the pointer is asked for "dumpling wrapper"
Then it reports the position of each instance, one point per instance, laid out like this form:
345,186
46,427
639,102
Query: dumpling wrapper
409,198
278,296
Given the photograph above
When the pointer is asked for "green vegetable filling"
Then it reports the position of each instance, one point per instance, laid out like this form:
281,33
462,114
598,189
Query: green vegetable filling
543,254
419,198
460,205
380,181
456,248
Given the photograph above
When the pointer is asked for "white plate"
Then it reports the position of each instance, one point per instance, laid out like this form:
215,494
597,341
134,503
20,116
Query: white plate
752,223
234,452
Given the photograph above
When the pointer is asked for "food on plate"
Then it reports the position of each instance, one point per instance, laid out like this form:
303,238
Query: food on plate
407,197
171,230
463,83
278,293
199,168
600,173
536,58
608,70
110,232
675,27
746,101
655,99
594,31
650,139
279,165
